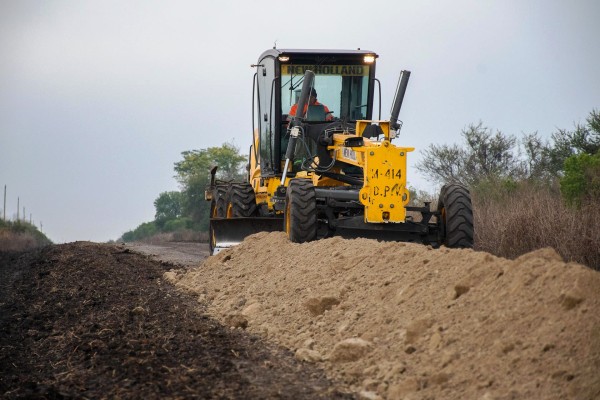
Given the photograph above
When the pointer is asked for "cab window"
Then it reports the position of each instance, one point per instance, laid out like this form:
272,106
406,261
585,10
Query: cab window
342,88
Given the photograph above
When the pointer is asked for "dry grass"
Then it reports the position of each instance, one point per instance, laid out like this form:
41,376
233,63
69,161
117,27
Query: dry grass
532,218
20,236
11,241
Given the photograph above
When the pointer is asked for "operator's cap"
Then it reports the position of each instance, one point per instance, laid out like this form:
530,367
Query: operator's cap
313,92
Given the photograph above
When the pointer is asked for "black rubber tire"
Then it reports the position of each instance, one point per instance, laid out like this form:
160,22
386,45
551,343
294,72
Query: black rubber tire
456,213
300,219
217,205
217,210
212,240
240,200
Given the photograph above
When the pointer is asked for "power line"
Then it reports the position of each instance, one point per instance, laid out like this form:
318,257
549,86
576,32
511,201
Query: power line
19,215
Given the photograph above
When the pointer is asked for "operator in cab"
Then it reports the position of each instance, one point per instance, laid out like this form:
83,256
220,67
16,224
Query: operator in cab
314,110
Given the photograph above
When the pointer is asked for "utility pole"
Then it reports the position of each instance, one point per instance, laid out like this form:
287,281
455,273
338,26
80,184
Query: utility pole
41,227
29,218
18,206
4,204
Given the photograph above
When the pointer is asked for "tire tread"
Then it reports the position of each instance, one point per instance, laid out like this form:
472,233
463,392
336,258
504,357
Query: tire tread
303,211
459,230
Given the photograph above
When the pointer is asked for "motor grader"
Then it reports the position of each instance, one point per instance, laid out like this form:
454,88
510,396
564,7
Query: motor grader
316,174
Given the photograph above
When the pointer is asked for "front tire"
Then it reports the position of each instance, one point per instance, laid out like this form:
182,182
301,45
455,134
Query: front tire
217,210
217,205
300,219
456,214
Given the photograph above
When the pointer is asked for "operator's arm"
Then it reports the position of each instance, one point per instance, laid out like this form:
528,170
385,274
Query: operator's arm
292,112
328,114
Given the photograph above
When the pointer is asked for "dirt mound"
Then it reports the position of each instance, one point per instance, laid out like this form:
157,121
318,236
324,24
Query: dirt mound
85,320
401,320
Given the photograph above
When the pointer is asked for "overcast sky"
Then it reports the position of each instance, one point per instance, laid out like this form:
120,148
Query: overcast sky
99,98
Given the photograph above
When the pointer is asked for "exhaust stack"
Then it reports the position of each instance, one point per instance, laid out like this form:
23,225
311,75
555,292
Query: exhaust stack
398,98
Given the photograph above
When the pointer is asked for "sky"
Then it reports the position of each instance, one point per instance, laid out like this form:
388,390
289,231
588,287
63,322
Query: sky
99,98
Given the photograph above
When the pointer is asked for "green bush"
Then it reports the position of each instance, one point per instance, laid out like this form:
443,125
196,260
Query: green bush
582,178
178,224
144,230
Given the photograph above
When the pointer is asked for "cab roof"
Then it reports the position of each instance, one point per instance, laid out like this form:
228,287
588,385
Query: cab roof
278,52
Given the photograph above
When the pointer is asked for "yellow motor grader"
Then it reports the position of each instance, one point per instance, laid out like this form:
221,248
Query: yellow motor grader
319,168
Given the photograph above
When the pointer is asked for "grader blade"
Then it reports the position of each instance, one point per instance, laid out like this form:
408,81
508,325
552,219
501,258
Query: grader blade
228,232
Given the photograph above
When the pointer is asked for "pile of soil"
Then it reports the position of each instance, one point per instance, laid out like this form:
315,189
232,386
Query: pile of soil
402,320
85,320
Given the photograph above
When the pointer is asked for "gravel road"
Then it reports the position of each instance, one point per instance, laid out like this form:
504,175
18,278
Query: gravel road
182,254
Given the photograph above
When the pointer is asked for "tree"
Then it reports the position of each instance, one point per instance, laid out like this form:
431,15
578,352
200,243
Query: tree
168,207
443,163
199,162
494,162
576,159
585,139
486,156
538,163
193,174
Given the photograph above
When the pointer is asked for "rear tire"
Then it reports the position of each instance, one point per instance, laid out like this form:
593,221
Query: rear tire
241,201
300,219
456,214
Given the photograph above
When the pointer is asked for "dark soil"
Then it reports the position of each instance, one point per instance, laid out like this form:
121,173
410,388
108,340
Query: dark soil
85,320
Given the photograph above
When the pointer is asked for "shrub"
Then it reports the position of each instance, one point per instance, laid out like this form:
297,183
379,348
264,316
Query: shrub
176,230
581,181
178,224
144,230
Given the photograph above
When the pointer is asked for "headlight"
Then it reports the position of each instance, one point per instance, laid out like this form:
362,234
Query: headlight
369,59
